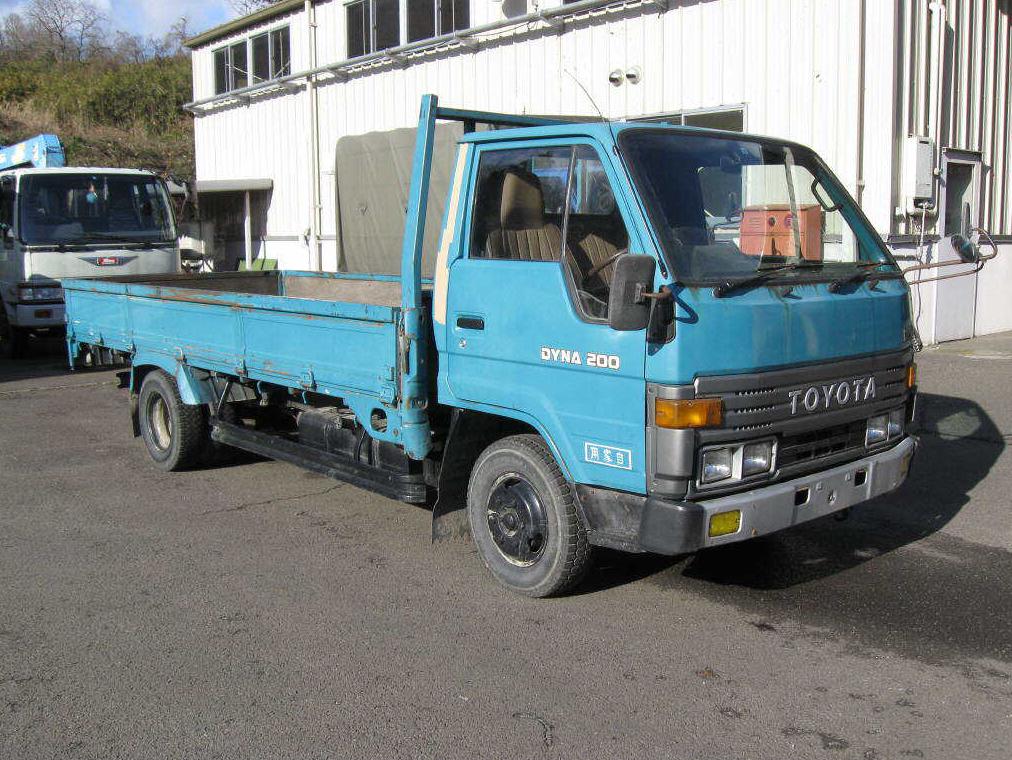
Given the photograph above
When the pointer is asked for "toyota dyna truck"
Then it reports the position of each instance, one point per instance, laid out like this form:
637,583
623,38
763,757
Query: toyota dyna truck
644,337
58,222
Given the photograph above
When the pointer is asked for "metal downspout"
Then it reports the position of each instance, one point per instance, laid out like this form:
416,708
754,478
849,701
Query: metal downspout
863,19
248,231
938,16
316,219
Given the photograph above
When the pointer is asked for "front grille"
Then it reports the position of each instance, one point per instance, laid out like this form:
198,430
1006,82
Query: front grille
759,406
772,402
815,444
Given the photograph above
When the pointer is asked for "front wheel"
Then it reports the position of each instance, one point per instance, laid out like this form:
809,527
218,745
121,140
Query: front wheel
524,518
176,434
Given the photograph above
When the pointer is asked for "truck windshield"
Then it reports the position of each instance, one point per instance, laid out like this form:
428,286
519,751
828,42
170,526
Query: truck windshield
94,208
725,209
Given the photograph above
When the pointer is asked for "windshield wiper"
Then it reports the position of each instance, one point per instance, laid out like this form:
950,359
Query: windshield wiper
118,239
762,274
864,273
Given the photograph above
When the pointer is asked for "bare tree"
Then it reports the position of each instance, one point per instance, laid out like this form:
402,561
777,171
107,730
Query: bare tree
244,7
129,48
74,29
17,38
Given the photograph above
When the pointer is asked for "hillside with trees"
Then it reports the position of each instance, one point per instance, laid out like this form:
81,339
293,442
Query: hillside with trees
113,97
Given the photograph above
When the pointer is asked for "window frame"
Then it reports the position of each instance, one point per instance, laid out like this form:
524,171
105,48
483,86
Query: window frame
8,198
677,118
437,7
974,160
369,45
621,188
228,48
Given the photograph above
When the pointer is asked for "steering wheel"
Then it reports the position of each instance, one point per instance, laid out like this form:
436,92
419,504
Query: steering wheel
606,263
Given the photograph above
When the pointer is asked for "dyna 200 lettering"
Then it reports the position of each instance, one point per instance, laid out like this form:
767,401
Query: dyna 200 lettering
835,394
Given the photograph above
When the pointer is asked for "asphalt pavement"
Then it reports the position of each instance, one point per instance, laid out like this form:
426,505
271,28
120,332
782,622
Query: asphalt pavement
259,611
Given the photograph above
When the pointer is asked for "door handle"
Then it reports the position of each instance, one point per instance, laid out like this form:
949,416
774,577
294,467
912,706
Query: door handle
471,323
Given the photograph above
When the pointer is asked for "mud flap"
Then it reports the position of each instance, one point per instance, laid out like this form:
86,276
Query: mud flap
449,515
470,433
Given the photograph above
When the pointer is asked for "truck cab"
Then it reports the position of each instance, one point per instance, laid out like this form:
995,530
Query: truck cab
75,222
703,325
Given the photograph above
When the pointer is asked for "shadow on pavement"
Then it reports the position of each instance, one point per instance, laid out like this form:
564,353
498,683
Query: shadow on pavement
45,357
959,446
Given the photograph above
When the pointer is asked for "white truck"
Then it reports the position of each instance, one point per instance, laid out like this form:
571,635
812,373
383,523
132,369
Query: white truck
58,221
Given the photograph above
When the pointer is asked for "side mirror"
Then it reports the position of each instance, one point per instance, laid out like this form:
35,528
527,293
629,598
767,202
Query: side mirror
965,248
628,304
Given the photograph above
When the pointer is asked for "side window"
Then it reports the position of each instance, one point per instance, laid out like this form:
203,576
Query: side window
520,204
551,204
6,206
596,235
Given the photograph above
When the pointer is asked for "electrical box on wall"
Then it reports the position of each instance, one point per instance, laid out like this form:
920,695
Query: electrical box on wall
918,171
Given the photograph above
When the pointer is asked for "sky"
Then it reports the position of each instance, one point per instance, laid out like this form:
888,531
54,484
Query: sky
152,17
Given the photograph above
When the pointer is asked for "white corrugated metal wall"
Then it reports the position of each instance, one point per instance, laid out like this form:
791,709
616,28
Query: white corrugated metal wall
955,89
974,93
791,64
786,61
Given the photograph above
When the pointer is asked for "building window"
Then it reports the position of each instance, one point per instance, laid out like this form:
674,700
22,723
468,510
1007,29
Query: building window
272,55
260,59
238,66
729,119
281,53
960,191
230,68
372,25
432,18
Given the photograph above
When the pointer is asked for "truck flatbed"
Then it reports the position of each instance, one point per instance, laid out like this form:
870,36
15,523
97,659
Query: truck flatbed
333,334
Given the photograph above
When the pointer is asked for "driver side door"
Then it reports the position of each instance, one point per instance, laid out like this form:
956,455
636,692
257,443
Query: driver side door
527,334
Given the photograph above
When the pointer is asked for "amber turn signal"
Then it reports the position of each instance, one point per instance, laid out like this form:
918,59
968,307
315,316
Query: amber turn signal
680,414
911,375
725,523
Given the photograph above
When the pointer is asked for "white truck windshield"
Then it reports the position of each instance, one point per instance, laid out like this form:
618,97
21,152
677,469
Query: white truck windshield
726,208
61,209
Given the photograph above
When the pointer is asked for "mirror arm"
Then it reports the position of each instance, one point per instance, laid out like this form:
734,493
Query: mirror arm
643,295
978,263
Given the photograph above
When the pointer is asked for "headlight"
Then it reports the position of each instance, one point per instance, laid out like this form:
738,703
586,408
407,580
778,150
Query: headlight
896,419
877,431
756,458
737,462
716,465
41,294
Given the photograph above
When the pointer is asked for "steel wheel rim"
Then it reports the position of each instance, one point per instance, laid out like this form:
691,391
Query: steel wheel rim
160,421
517,520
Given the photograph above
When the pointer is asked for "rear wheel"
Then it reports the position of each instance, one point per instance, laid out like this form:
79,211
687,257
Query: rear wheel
175,433
524,519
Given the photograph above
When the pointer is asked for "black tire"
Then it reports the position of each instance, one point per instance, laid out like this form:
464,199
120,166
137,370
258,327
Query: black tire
176,434
524,518
13,340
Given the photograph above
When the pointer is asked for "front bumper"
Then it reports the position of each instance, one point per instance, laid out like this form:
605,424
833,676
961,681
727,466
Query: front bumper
39,315
667,527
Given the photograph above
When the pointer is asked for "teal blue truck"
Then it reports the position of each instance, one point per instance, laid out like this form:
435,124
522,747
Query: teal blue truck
638,336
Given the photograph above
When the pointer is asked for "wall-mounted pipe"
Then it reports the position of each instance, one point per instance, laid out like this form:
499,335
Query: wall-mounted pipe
316,219
862,21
